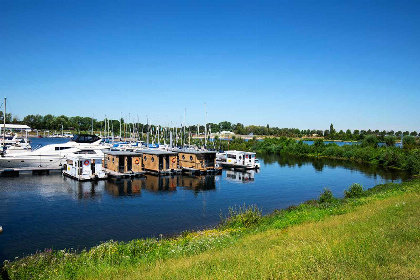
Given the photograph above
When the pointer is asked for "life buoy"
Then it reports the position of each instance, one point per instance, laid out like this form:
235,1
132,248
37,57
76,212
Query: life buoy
173,160
137,161
86,162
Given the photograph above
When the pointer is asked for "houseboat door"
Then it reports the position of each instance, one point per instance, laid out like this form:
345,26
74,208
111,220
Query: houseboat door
92,166
161,163
121,164
129,164
167,162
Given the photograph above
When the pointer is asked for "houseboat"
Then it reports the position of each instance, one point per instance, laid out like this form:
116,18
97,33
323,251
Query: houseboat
84,167
197,162
238,160
160,162
119,163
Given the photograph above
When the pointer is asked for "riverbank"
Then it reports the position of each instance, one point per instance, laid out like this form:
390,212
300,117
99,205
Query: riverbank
371,234
407,158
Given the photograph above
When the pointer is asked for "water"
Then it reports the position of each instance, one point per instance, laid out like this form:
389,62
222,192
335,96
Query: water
39,212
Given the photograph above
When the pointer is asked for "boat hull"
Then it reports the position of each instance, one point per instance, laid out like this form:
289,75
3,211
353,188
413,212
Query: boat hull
35,161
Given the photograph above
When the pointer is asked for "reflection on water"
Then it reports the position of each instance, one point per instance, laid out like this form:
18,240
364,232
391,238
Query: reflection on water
134,186
241,176
320,163
198,183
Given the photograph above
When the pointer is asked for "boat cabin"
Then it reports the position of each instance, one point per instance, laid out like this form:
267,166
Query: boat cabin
240,158
158,161
123,161
85,138
84,167
197,160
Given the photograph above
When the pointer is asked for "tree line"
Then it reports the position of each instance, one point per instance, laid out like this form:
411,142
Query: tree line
78,123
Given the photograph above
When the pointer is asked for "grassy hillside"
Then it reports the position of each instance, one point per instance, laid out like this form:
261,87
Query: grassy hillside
370,234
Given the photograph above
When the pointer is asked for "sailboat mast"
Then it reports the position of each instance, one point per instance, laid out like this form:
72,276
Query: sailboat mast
4,124
120,125
205,125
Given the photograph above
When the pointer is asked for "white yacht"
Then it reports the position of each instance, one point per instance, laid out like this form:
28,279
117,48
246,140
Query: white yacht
54,155
14,144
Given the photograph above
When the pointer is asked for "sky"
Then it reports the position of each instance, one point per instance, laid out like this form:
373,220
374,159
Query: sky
300,64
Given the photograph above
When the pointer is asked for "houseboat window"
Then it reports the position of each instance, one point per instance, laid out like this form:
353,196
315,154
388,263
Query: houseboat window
191,158
112,160
153,159
240,157
145,158
183,156
231,156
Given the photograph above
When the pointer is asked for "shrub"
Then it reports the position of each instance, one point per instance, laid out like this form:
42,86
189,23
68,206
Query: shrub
390,141
326,196
370,141
355,190
242,216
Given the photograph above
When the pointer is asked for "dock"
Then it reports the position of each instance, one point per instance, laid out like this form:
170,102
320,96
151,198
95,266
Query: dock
14,172
119,175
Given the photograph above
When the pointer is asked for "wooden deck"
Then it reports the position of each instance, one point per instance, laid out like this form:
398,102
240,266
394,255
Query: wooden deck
118,175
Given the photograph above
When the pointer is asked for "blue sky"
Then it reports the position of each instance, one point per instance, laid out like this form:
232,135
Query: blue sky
301,64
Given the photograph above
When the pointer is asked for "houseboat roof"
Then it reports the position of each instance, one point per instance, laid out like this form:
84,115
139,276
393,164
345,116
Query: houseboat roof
122,153
195,152
158,152
239,152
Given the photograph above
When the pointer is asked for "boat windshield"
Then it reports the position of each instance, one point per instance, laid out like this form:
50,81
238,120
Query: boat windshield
85,138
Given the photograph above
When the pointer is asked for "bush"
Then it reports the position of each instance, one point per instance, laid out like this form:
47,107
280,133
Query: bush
326,196
390,141
370,141
355,190
242,216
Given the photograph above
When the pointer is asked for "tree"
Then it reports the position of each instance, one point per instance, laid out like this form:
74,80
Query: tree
225,125
390,140
8,117
332,130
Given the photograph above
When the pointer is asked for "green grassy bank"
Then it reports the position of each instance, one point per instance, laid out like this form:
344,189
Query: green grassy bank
368,234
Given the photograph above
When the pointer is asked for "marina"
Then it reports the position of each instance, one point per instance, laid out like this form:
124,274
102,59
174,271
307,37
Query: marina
54,206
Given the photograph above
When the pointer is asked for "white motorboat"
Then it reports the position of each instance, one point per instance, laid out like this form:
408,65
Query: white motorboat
84,167
54,155
238,160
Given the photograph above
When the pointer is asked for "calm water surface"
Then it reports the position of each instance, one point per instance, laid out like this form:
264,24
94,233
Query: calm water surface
52,211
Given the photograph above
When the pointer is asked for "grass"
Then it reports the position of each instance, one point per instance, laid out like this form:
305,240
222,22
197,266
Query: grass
374,234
